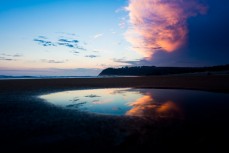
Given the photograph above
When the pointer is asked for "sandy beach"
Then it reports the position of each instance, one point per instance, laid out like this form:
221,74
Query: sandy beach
218,83
29,124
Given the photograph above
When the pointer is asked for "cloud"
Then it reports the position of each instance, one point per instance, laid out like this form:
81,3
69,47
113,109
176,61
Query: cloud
160,25
127,62
9,57
80,48
98,35
123,23
75,52
6,59
53,61
91,56
42,37
70,43
66,44
44,43
67,33
178,58
17,55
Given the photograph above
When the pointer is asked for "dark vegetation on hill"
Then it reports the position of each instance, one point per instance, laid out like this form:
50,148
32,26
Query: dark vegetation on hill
153,70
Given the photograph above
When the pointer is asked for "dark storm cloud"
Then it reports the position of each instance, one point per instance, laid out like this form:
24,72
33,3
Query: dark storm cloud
207,40
180,58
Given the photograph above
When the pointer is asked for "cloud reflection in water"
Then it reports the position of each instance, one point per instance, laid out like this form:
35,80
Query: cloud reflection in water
146,106
121,102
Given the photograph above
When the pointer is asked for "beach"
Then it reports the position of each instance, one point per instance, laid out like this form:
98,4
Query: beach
217,83
29,124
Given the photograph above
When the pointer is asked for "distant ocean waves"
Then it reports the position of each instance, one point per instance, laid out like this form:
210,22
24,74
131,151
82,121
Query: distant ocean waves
6,77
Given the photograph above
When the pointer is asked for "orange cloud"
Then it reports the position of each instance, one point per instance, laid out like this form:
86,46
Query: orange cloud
160,24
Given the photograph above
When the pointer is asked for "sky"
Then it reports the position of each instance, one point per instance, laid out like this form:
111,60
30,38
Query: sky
82,37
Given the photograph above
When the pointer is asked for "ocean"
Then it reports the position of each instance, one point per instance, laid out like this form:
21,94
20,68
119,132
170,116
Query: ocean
6,77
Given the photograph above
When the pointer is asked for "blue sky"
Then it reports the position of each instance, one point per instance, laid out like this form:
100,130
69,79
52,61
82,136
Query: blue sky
82,37
95,24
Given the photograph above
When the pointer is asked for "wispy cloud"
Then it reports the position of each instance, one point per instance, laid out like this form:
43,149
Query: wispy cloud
66,44
80,48
9,57
160,24
75,52
70,43
127,62
53,61
17,55
42,37
6,59
91,56
119,10
98,35
44,43
123,23
67,33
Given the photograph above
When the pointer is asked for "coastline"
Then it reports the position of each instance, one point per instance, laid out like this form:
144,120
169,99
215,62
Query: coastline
217,83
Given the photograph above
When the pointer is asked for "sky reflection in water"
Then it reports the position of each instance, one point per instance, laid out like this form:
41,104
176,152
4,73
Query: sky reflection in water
132,102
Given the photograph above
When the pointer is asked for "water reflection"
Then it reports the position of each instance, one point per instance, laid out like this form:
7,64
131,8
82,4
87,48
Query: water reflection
129,102
147,107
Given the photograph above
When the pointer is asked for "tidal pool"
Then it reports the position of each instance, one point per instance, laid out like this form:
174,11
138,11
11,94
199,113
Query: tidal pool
141,102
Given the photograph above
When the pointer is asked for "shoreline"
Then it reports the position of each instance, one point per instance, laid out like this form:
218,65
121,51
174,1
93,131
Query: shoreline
205,83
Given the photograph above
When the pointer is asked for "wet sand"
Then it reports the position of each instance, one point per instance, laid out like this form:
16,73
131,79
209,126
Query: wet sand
29,124
218,83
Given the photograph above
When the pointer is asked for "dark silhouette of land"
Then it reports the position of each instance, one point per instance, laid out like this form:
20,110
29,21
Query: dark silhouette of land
153,70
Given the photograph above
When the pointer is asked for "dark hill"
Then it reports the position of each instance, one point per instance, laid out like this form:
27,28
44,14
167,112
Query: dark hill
153,70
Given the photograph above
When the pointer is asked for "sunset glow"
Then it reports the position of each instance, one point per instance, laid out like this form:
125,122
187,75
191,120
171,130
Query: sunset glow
83,37
160,25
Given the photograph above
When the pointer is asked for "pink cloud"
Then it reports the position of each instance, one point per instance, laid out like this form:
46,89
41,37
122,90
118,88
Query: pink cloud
160,24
